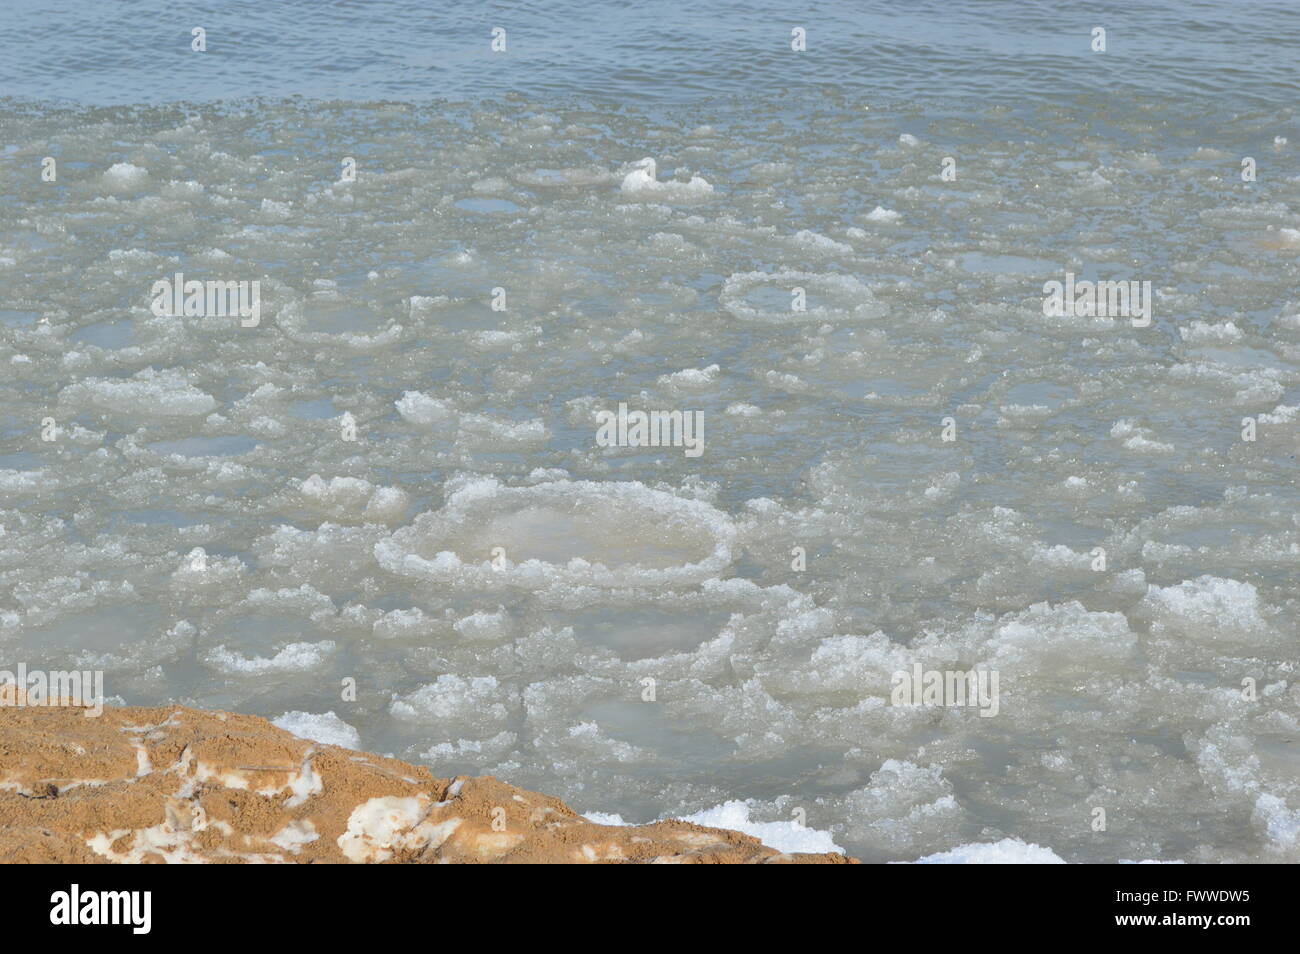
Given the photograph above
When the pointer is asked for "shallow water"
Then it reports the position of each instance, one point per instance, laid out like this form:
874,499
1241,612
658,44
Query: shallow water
202,529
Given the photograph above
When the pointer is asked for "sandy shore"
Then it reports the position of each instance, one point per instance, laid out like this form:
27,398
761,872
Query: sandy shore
173,784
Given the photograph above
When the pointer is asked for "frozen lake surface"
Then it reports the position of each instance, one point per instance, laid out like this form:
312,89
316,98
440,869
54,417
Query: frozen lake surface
501,586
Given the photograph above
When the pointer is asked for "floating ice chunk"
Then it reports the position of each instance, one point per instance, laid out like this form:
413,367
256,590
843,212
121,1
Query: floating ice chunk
482,432
1055,644
691,377
426,306
1208,607
1008,851
496,747
1281,824
642,182
594,743
840,663
122,176
349,492
541,475
386,504
483,626
296,657
401,623
903,806
496,339
198,569
344,497
819,242
1138,438
264,426
1200,331
419,408
14,481
787,836
149,392
325,728
879,214
1282,414
450,697
303,600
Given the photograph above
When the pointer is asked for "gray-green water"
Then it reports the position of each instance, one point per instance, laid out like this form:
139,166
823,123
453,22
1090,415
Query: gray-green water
203,529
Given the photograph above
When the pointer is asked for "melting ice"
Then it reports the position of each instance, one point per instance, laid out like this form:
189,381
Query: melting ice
391,483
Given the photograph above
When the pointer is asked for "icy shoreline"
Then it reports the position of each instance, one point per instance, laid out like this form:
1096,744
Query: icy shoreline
178,785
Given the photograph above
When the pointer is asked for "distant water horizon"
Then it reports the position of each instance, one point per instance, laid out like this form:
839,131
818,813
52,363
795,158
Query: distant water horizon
129,52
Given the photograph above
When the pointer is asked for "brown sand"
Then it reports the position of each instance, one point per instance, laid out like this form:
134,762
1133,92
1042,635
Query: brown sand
174,784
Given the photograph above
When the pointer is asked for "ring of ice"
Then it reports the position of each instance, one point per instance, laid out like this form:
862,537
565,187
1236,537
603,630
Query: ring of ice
562,533
831,297
327,318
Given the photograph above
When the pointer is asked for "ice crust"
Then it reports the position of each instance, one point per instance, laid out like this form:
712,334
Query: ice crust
325,727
